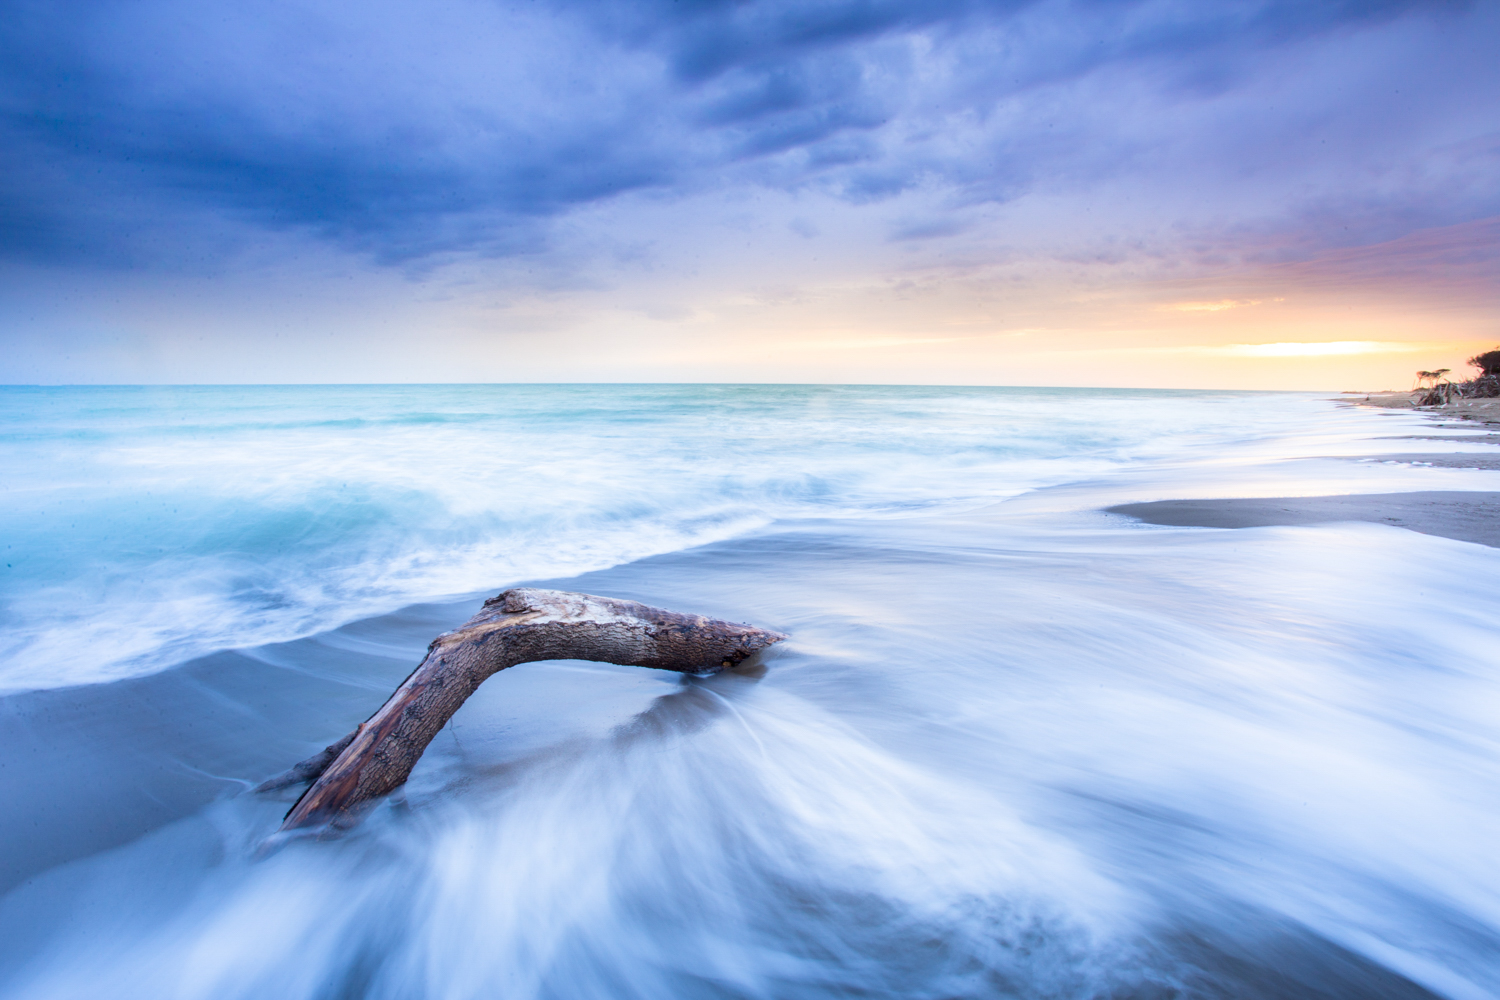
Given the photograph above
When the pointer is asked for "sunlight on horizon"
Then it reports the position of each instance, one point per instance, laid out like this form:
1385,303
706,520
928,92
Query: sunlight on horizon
1293,349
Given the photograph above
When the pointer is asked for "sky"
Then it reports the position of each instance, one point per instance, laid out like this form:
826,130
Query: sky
1266,194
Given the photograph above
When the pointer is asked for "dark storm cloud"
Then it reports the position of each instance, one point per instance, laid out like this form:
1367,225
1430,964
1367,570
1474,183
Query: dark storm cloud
159,131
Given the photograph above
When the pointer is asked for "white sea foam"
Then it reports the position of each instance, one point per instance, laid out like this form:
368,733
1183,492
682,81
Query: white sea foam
147,526
1026,750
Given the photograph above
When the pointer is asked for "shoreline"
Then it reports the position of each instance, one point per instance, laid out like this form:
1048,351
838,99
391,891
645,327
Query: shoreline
1485,411
1464,515
1468,516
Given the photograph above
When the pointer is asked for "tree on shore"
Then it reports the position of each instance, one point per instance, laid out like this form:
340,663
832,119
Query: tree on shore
1439,390
1488,363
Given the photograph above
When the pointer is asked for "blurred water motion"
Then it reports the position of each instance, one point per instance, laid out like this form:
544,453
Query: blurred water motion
1018,750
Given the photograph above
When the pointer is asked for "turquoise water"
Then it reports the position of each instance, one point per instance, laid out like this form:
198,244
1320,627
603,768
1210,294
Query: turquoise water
176,521
1014,746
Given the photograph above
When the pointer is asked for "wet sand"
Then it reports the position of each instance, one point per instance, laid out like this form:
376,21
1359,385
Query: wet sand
92,767
1466,516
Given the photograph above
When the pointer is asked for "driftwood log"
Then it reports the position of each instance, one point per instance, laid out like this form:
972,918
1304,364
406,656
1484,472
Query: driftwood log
518,626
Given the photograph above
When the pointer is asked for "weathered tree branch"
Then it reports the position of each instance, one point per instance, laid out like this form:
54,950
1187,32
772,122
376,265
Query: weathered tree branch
518,626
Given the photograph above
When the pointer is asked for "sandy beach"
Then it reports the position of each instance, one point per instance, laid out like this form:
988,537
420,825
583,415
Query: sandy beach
1486,411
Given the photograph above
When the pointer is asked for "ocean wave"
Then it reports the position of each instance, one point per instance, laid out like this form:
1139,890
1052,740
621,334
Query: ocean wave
145,526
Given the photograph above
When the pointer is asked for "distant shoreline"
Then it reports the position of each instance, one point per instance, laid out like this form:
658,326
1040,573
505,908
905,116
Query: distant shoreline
1483,410
1469,516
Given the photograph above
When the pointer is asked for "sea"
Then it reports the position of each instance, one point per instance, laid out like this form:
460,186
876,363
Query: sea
1015,746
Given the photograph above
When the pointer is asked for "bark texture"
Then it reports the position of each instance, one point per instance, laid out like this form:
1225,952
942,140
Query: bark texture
518,626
